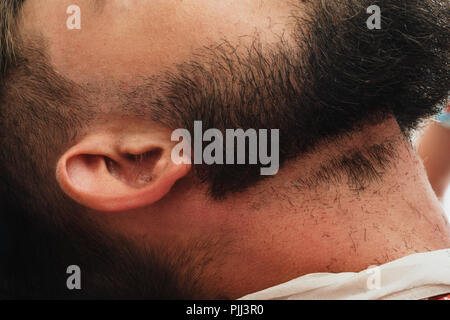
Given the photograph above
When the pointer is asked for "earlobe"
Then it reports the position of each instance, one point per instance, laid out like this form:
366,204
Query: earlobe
98,174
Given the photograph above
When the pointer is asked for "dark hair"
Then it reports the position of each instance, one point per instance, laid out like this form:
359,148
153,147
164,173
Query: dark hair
9,10
338,77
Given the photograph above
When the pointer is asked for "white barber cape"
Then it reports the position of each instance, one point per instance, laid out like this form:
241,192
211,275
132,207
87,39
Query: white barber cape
417,276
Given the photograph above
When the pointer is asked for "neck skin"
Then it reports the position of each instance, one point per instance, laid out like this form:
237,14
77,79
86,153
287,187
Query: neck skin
275,232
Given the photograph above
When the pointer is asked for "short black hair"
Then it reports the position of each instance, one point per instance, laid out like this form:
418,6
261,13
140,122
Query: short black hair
9,10
338,77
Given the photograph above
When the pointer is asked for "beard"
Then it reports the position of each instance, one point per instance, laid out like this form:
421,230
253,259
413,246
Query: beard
332,76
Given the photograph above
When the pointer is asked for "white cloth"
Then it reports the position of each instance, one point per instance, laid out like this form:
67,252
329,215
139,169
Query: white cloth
417,276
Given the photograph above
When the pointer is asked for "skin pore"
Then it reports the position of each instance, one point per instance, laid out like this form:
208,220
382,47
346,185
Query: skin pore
276,230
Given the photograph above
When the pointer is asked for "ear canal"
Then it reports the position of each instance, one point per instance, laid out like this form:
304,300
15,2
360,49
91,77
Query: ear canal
136,170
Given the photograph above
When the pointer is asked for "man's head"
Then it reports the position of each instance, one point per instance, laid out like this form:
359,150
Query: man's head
87,115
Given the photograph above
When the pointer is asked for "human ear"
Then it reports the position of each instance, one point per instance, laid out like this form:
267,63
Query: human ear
119,171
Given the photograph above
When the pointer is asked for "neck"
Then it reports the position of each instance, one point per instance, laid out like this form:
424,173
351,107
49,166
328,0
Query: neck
287,230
